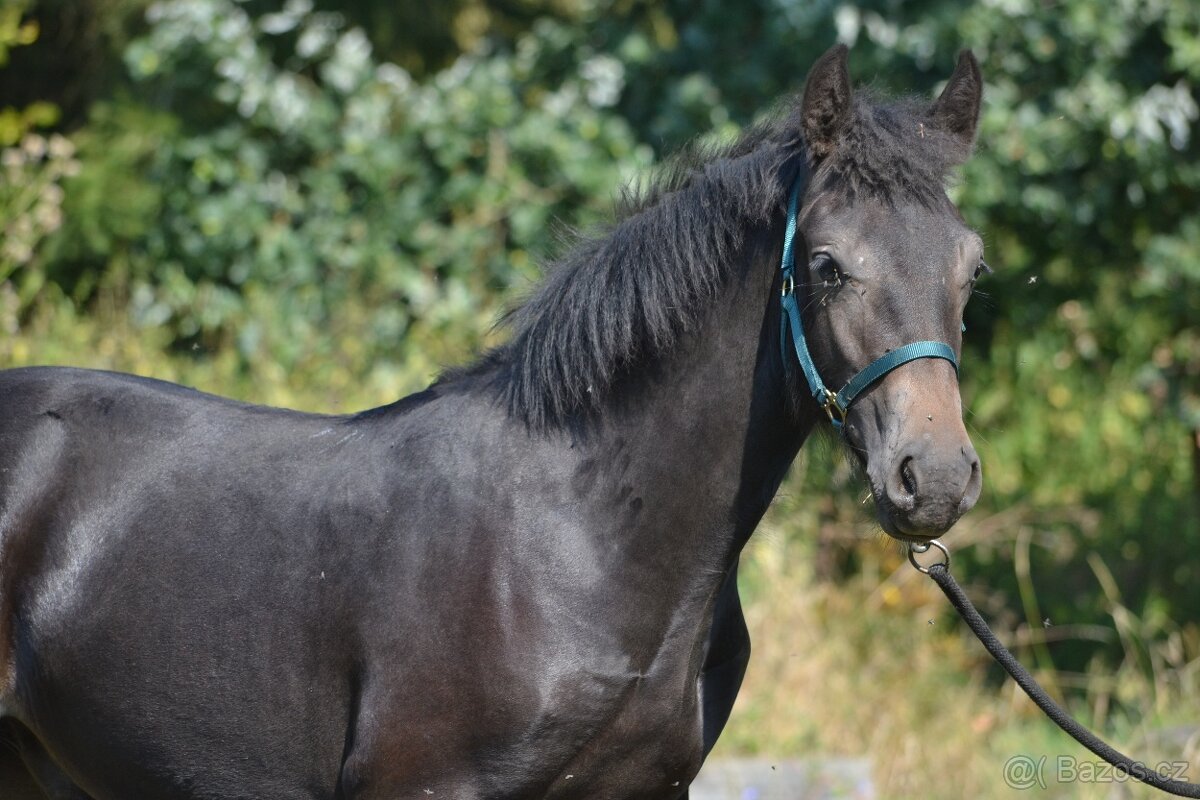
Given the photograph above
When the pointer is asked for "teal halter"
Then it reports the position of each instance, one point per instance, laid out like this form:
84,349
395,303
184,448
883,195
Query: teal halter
836,405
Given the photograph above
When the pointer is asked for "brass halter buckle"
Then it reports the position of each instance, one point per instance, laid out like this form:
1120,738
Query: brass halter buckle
832,407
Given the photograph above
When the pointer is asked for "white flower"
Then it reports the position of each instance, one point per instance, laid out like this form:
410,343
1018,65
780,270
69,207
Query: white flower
34,146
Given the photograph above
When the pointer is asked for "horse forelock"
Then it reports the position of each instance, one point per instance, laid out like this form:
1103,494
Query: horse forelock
891,152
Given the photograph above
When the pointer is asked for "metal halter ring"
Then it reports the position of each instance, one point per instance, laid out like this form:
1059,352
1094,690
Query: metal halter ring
923,547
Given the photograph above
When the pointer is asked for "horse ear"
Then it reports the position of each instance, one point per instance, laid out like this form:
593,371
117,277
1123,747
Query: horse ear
956,110
825,110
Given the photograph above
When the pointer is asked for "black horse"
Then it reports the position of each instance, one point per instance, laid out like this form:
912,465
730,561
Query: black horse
520,582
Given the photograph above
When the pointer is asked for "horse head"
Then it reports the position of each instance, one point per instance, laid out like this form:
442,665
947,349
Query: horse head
883,259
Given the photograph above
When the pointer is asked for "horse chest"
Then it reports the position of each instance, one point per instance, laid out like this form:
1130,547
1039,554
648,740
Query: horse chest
584,735
648,744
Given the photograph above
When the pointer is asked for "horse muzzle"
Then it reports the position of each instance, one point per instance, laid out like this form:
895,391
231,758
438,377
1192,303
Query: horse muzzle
926,489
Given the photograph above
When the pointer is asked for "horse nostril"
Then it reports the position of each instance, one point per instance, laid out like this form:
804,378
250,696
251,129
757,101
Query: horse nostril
907,478
974,487
902,485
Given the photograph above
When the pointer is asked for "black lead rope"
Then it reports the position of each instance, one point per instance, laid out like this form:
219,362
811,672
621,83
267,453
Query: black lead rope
1135,769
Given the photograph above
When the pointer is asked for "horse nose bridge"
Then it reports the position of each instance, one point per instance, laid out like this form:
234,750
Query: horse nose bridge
915,403
924,401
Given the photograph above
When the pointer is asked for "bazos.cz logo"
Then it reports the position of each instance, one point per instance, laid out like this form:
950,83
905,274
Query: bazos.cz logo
1027,772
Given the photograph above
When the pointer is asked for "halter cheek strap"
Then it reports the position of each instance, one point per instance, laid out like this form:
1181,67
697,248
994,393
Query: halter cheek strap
837,404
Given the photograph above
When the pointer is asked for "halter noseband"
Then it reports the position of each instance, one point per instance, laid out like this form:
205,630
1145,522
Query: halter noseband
836,405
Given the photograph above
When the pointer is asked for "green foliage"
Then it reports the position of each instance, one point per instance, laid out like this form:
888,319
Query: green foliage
31,197
30,193
424,37
282,177
17,31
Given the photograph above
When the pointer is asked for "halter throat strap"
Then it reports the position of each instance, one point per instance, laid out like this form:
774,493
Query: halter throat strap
835,404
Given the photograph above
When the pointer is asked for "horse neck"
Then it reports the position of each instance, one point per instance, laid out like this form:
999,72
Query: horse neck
700,447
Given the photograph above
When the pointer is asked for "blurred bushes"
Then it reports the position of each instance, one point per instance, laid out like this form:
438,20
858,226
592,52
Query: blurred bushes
17,31
258,189
276,179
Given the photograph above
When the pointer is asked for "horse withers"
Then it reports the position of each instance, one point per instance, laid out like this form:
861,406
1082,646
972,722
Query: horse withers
520,582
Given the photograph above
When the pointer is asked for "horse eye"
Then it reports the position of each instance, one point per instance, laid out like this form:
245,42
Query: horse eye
825,268
981,269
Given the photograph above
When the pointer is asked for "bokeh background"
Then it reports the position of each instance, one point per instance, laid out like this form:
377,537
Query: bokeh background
320,204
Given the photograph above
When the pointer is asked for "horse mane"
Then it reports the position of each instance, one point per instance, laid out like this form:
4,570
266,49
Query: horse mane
622,296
